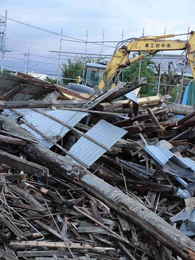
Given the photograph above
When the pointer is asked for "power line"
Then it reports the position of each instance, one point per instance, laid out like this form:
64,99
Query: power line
36,55
68,38
42,29
97,43
83,53
31,60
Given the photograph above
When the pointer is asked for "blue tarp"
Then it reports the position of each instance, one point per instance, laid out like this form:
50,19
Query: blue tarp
191,94
188,96
185,95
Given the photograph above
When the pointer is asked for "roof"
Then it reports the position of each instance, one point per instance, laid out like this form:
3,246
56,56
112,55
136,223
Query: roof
96,65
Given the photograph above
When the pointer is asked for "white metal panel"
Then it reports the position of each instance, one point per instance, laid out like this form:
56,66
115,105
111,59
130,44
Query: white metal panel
48,126
105,134
159,154
132,96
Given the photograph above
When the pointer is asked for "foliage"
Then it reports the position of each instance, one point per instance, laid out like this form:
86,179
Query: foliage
174,92
6,72
72,70
50,80
131,74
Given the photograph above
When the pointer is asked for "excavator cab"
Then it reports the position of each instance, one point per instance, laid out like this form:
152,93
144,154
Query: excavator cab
93,74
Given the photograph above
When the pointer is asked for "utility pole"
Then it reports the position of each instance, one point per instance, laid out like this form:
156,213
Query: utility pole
140,62
3,30
102,45
159,79
59,57
84,61
26,61
86,42
122,35
143,31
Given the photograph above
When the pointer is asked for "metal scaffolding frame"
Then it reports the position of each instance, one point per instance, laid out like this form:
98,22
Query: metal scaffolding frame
3,39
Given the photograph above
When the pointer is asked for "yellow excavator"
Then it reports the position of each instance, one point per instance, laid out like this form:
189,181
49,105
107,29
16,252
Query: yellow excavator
148,46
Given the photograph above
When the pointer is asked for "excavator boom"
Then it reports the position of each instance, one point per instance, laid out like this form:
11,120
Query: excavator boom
156,45
149,46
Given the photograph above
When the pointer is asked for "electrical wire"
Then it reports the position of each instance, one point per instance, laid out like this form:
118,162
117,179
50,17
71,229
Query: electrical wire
67,37
82,53
42,29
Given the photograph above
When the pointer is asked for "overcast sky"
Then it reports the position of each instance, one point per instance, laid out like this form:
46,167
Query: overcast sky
76,17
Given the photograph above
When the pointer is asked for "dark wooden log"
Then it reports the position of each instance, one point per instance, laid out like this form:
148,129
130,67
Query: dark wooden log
11,140
21,164
25,194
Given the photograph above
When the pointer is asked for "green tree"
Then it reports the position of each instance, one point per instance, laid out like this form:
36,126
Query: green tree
72,70
131,74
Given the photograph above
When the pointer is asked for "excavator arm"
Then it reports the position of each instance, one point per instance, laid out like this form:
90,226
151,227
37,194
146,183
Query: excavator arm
149,46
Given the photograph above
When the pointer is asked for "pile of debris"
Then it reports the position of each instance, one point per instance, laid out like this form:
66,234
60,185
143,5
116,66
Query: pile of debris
109,177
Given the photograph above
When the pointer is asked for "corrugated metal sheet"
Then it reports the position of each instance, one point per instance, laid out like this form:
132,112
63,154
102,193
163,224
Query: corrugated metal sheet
81,88
104,133
49,127
159,154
